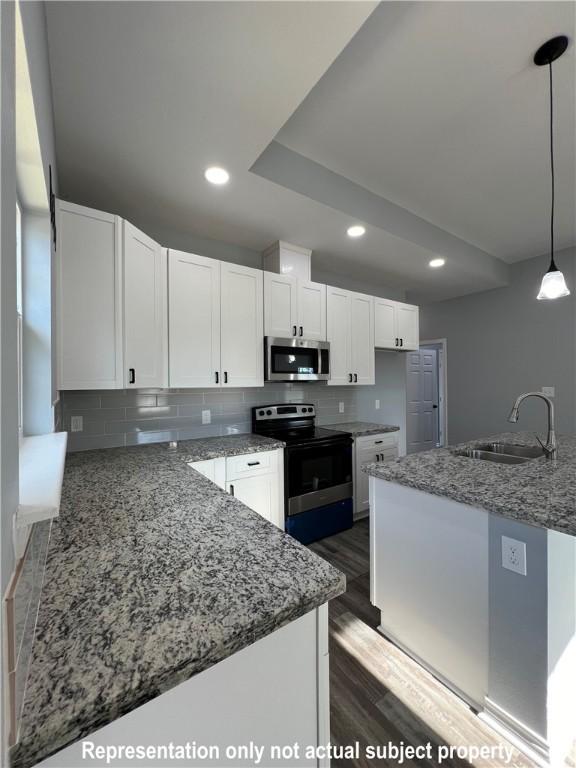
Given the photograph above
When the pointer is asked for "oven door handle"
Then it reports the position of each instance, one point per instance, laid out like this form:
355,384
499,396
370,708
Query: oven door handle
321,444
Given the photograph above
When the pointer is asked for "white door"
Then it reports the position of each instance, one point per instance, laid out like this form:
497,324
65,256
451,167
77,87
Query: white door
422,418
280,305
145,311
312,310
260,493
362,338
194,320
242,326
407,325
88,299
338,331
385,335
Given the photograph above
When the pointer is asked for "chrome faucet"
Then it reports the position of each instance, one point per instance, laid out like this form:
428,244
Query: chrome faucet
550,448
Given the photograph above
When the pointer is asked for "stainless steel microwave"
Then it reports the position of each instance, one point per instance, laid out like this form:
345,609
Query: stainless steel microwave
296,359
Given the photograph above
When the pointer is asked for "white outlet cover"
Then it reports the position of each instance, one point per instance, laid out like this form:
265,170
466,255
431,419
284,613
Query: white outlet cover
550,391
377,404
340,407
206,417
514,555
76,424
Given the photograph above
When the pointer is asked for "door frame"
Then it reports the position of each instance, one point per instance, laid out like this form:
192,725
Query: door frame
441,345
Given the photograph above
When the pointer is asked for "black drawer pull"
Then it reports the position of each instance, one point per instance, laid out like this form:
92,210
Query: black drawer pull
132,375
253,463
377,442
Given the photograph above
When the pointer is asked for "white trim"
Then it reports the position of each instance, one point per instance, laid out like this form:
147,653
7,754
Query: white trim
41,474
443,384
519,735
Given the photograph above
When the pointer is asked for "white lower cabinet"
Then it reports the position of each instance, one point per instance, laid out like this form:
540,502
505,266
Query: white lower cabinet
256,479
368,450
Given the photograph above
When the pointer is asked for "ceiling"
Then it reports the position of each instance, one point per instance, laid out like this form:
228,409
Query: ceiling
321,124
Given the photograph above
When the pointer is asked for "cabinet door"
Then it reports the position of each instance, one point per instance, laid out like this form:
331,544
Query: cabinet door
260,493
145,311
213,469
338,331
312,310
88,299
242,326
194,320
362,338
407,325
280,305
385,332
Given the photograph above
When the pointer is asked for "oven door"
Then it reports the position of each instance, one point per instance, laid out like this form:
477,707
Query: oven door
317,474
296,360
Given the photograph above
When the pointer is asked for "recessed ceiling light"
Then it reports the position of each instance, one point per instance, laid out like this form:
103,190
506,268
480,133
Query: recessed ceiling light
435,263
216,175
357,230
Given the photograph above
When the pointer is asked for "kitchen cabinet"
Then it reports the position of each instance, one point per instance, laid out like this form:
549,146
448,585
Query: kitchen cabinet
255,479
213,469
215,323
350,330
370,449
88,299
242,338
396,325
294,307
144,282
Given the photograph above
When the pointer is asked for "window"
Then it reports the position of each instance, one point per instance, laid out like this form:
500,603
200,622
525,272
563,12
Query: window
19,315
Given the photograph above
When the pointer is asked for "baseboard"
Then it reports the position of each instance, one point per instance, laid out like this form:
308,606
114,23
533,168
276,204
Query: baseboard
518,734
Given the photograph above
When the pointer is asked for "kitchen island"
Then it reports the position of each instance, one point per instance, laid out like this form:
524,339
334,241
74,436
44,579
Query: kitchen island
170,611
473,567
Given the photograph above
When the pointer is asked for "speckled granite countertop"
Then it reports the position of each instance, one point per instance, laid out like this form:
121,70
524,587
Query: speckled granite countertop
539,492
361,428
153,575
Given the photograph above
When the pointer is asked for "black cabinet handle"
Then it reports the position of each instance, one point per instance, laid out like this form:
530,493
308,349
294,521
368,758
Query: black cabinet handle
132,375
351,378
225,377
396,343
217,377
294,330
434,406
377,442
301,330
355,377
231,490
401,342
253,463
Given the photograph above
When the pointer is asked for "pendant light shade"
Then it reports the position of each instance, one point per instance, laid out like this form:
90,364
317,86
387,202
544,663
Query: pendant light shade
553,283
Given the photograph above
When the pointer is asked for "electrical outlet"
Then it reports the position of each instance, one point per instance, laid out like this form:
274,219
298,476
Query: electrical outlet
514,555
206,417
377,404
550,391
76,423
340,407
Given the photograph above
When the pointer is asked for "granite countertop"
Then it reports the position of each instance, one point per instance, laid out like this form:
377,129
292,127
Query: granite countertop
360,428
153,575
539,492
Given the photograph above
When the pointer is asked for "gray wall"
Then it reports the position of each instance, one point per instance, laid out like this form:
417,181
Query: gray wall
503,342
116,418
390,389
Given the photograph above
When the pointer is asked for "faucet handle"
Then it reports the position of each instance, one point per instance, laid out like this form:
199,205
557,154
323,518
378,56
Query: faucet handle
545,447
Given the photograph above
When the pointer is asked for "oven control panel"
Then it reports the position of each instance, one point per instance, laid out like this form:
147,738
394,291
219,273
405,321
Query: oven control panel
283,411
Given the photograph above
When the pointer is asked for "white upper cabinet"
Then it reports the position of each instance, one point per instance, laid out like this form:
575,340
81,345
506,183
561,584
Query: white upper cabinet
88,299
242,326
145,311
194,320
311,310
280,305
362,338
396,325
294,307
350,325
339,334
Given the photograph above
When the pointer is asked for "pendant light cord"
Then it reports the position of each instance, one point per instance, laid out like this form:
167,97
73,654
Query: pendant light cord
552,264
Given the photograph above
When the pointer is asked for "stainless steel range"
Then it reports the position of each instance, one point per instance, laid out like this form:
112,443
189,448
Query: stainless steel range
318,489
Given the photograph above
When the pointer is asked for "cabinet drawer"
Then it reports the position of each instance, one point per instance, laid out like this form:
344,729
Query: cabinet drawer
377,442
251,464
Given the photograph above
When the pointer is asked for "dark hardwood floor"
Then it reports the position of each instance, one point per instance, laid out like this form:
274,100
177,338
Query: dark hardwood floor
378,694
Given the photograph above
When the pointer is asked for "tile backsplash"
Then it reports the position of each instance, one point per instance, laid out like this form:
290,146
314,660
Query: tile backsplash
113,418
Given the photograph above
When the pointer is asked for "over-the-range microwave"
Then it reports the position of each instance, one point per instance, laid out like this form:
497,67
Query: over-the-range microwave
296,359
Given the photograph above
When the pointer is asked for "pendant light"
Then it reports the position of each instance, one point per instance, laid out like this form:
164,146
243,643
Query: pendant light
553,283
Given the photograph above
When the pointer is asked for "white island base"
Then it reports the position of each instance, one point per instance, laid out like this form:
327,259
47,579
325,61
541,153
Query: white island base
275,692
504,642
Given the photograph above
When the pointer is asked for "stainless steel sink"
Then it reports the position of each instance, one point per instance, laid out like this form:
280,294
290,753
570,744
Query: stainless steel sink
490,455
526,451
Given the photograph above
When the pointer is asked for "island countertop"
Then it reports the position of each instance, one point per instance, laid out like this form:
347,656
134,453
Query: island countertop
538,492
153,575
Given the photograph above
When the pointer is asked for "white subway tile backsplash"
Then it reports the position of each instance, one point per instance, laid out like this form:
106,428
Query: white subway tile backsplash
133,417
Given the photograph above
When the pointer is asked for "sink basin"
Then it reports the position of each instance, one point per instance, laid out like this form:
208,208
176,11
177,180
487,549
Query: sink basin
526,451
491,455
